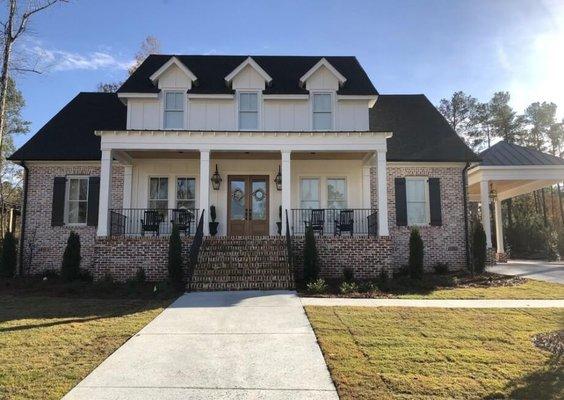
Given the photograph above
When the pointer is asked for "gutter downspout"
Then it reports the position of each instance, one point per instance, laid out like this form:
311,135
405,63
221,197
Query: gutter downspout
23,216
465,195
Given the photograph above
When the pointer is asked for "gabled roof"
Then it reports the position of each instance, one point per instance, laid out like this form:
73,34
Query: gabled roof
420,133
509,154
323,63
69,135
249,61
284,70
173,61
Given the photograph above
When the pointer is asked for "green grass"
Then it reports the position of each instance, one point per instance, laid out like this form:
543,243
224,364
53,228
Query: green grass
401,353
48,344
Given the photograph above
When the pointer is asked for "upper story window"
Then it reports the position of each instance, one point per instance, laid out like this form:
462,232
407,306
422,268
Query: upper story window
417,196
248,111
158,193
174,110
309,193
337,193
76,200
322,112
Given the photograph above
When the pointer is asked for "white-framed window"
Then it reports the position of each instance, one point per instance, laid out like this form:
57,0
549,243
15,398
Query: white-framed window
158,193
174,110
76,200
336,193
248,111
417,198
186,193
309,193
322,108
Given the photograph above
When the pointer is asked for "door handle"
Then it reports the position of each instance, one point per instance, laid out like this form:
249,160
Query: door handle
250,215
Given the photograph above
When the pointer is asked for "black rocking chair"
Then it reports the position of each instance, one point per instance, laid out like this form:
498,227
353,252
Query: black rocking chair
345,223
151,222
316,220
182,219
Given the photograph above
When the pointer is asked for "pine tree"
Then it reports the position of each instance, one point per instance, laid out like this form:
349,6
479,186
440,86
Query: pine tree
70,268
311,259
416,254
175,273
478,249
8,258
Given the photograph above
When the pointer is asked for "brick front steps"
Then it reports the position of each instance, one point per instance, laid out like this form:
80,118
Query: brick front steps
243,263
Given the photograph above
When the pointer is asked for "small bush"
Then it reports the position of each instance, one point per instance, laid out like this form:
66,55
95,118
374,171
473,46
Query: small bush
8,258
416,252
311,259
367,287
478,248
441,268
348,274
106,284
348,287
175,273
383,281
140,276
85,275
70,268
401,272
318,286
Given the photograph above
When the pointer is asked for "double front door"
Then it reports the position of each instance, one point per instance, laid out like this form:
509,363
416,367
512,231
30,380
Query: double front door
247,210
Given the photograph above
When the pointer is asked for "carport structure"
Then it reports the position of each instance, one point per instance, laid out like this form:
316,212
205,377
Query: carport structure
508,170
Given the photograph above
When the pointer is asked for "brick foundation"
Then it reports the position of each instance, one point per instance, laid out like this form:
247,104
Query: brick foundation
501,257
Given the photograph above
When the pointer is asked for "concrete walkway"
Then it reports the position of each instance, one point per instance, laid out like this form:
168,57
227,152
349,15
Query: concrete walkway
322,301
540,270
221,345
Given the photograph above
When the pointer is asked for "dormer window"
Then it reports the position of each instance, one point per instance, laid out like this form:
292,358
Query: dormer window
248,111
174,110
322,112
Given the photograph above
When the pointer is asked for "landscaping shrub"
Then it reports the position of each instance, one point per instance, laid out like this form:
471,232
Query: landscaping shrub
561,243
348,274
383,281
8,258
319,286
85,275
441,268
70,268
175,260
478,248
348,287
415,254
140,276
311,259
367,287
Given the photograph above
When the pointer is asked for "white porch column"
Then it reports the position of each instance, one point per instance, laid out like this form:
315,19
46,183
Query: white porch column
286,187
105,193
366,198
205,187
127,178
485,200
498,226
383,229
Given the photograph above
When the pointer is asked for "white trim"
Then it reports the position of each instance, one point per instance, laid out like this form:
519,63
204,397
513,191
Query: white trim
259,109
337,177
285,96
210,96
425,164
425,179
68,178
323,63
313,93
370,98
319,185
184,108
138,95
173,60
194,177
248,61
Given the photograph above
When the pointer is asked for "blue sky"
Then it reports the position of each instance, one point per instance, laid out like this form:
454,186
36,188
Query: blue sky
432,47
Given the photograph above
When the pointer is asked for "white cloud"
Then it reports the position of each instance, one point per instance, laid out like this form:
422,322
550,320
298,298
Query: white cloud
61,60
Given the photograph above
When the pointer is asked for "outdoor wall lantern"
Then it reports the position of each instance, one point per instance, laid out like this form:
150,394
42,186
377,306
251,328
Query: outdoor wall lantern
278,179
216,179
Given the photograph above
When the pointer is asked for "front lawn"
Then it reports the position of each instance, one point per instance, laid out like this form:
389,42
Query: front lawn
407,353
48,344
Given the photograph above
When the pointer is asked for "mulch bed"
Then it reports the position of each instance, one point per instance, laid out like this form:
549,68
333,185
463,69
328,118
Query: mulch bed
551,341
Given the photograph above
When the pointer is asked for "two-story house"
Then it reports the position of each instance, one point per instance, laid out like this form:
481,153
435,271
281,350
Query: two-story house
269,144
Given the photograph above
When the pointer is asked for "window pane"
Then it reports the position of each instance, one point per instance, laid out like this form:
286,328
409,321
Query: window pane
322,102
158,193
158,204
415,190
186,204
83,191
174,120
74,189
416,213
73,212
173,101
336,193
185,190
248,102
322,121
82,209
248,120
309,193
417,207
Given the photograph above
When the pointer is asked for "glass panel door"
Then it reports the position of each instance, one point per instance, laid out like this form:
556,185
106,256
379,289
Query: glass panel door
238,200
258,199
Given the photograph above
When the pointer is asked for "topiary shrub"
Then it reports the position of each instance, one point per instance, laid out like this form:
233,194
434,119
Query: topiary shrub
70,268
311,259
416,253
478,249
8,258
175,273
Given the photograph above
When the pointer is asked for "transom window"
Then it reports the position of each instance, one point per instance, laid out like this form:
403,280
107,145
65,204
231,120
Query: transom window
174,110
322,112
158,193
248,111
417,196
186,193
336,193
309,193
77,200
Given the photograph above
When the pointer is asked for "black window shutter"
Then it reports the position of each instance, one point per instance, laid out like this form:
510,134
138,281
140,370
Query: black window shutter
58,206
401,202
435,201
93,199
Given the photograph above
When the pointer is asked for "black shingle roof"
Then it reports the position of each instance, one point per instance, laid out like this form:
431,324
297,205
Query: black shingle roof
69,135
284,70
420,133
505,153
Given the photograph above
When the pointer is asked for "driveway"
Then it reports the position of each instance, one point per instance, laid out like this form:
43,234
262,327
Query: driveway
220,345
540,270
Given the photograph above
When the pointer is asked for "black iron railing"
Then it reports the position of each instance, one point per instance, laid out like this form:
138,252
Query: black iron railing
328,221
195,249
289,242
152,222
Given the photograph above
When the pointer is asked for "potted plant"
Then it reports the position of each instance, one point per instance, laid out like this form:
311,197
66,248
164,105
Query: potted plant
279,223
212,224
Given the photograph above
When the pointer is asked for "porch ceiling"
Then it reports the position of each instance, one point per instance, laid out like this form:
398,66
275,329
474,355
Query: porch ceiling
248,155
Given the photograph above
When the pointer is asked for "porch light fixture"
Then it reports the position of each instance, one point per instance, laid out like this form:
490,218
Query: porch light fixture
216,179
493,193
278,179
